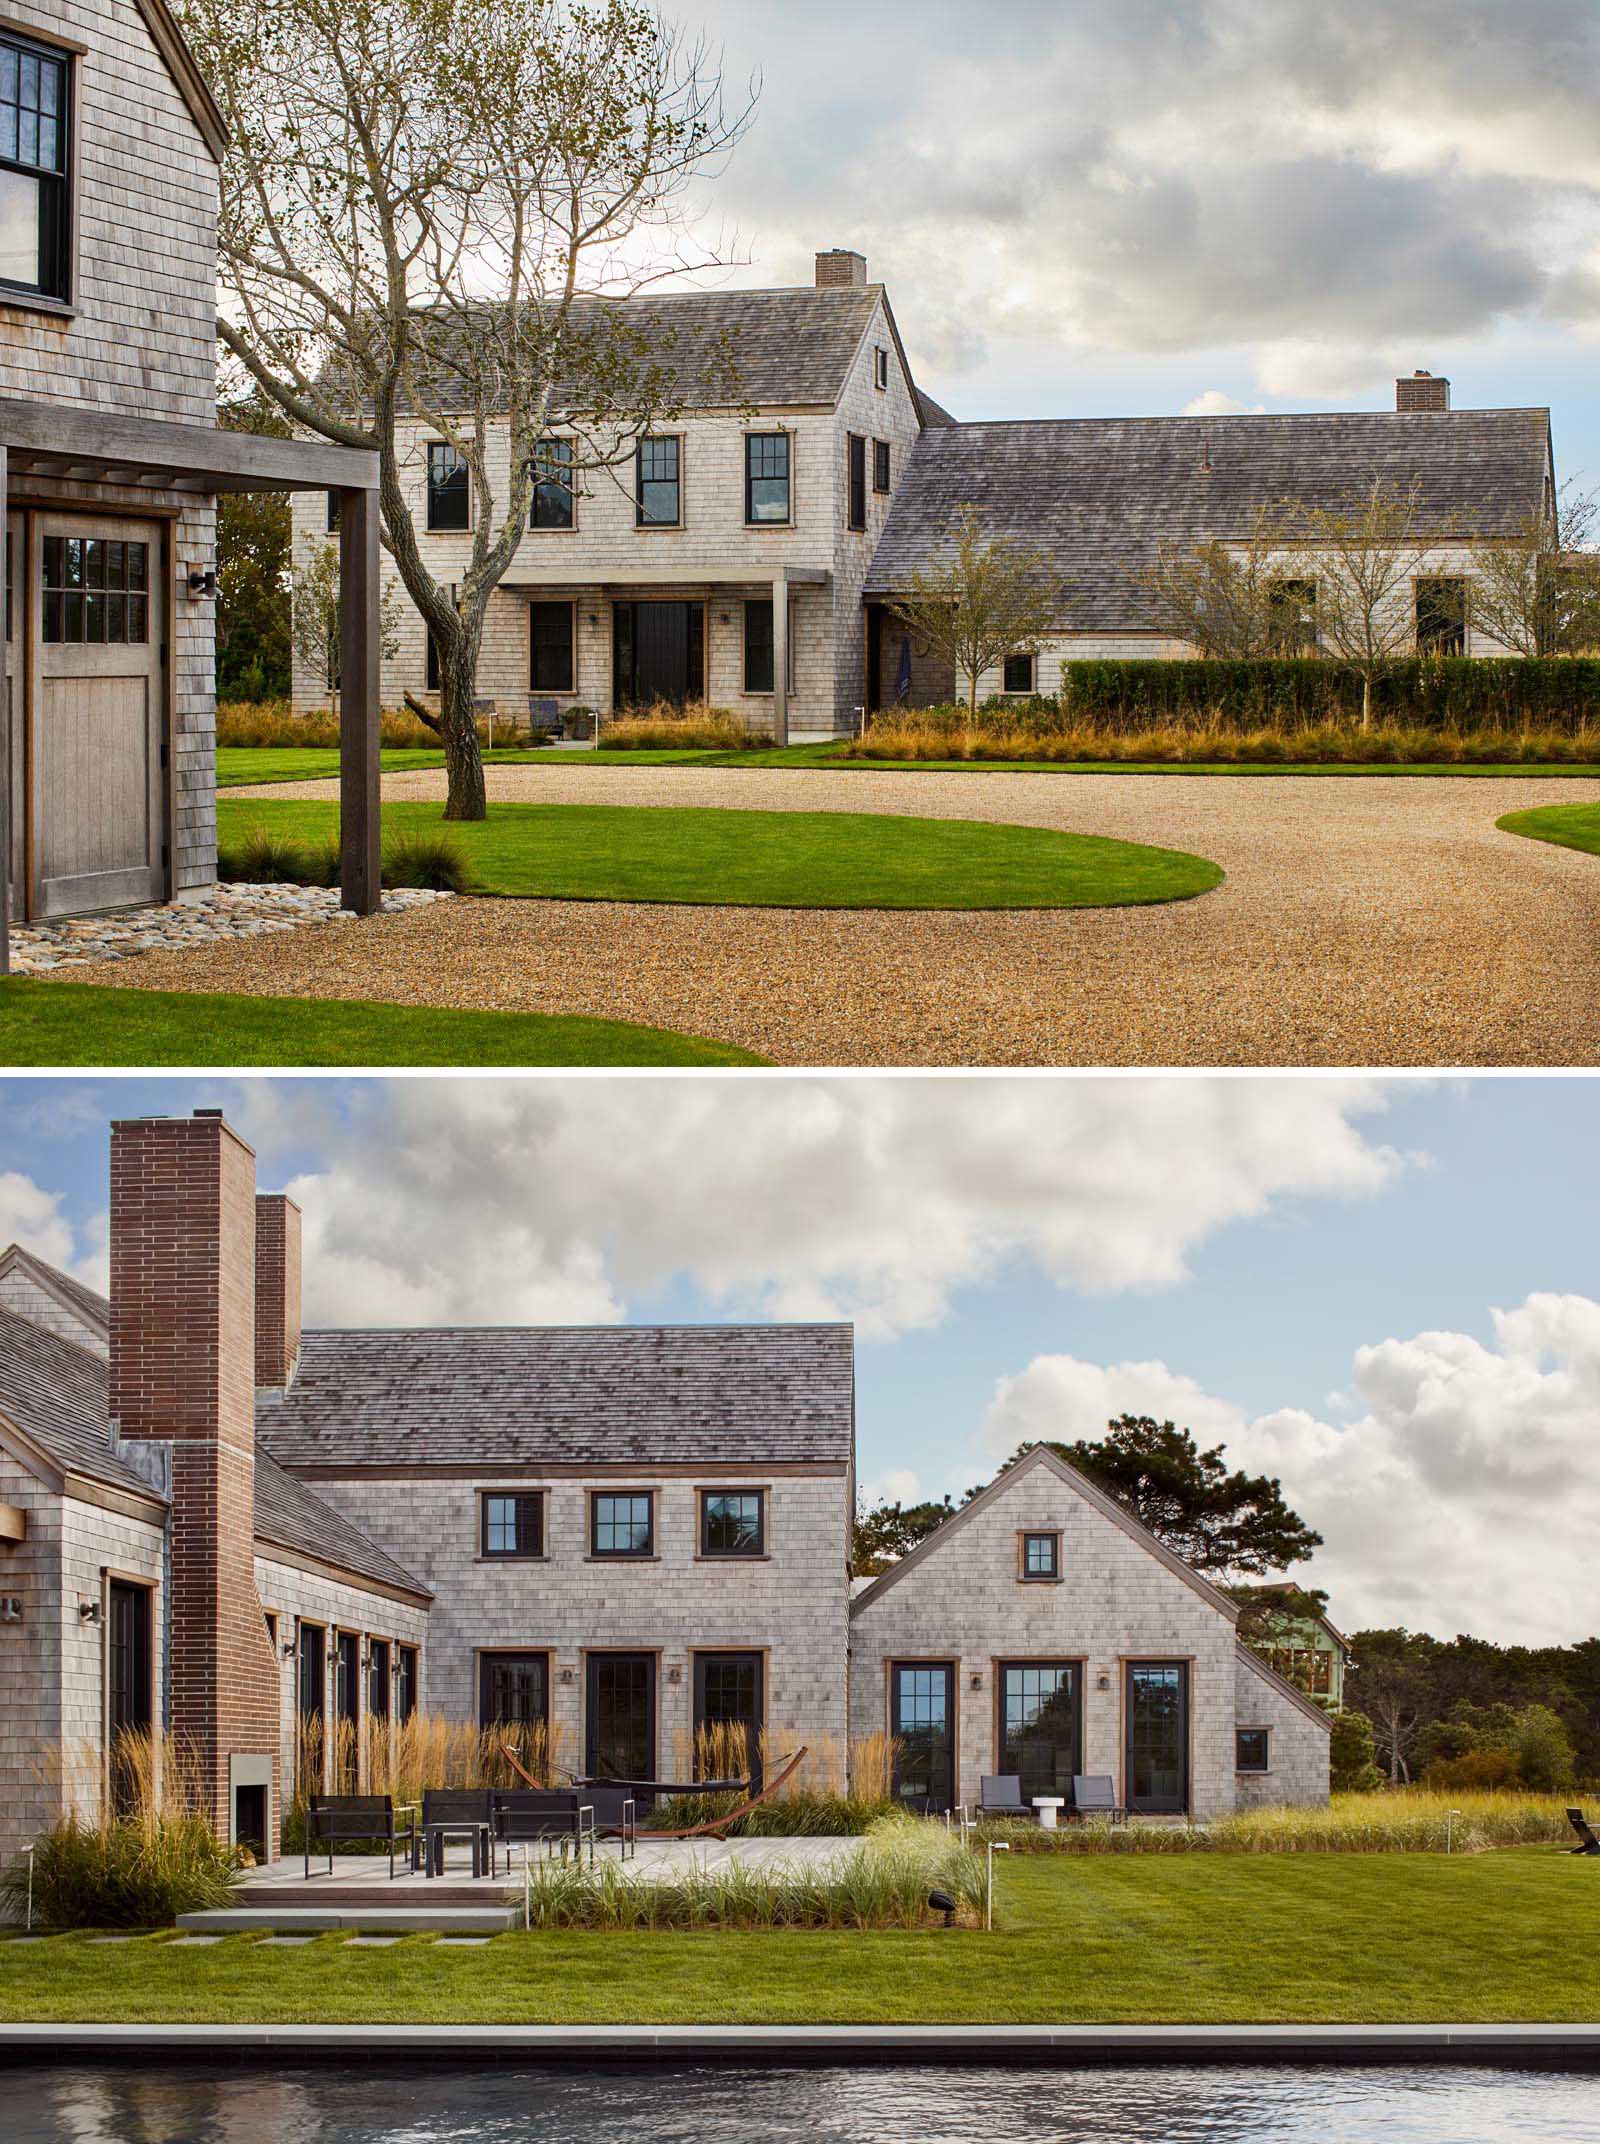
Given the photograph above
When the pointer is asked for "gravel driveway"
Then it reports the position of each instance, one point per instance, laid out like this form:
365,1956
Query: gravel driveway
1368,920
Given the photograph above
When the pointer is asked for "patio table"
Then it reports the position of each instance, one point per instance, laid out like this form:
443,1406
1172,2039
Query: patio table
1047,1805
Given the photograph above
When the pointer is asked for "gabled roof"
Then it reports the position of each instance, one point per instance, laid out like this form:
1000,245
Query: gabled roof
78,1301
1281,1684
1099,496
181,64
1095,1497
291,1516
574,1396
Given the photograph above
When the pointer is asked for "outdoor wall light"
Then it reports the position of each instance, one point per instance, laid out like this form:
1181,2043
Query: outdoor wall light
977,1681
203,583
1102,1682
674,1674
88,1611
10,1608
567,1675
287,1648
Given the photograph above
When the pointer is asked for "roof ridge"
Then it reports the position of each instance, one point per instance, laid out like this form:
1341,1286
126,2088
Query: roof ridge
1255,416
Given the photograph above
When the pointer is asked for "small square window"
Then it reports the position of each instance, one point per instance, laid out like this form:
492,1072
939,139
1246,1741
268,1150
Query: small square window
1041,1556
731,1522
513,1524
622,1525
1018,673
880,465
880,366
1251,1749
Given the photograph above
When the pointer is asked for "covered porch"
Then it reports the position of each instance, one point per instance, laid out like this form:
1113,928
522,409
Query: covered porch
108,583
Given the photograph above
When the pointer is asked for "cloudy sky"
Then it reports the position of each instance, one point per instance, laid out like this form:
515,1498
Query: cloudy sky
1385,1292
1087,209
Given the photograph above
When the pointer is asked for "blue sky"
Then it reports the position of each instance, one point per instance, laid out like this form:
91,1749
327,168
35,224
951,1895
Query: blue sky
1306,1269
1092,210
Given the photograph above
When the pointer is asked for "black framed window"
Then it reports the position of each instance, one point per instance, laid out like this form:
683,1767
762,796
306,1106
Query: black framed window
732,1522
758,646
922,1711
728,1693
550,647
622,1525
552,489
1041,1555
35,106
857,462
1251,1749
96,591
1441,617
513,1689
1018,674
880,366
1156,1737
1041,1724
405,1682
333,511
448,498
378,1679
766,476
511,1524
659,494
880,465
312,1687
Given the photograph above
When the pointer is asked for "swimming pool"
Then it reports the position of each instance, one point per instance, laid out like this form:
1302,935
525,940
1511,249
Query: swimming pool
451,2105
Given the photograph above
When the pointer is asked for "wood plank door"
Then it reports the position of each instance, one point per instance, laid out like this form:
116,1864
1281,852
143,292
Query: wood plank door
13,774
96,784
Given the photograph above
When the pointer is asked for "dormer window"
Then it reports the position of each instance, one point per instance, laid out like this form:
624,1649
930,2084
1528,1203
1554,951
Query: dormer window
34,108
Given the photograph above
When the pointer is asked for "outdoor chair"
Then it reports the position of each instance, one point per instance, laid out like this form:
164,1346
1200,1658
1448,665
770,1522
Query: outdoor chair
543,1816
1586,1832
457,1813
1095,1794
616,1815
1001,1795
544,718
353,1818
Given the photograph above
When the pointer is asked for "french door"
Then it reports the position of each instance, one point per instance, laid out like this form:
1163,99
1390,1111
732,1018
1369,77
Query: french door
658,653
728,1694
1157,1717
922,1714
129,1687
1041,1725
513,1689
620,1727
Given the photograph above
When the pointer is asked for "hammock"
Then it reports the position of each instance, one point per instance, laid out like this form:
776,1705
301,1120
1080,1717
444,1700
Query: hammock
719,1827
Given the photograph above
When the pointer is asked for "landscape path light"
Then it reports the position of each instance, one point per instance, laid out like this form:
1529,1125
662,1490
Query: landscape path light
995,1846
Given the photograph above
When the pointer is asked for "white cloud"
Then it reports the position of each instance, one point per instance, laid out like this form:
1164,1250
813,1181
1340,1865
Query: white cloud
511,1201
1214,403
36,1219
1462,1496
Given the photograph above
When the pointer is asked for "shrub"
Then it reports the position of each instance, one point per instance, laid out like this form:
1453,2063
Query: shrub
1476,1771
664,728
261,857
274,724
838,1792
884,1884
1352,1755
433,859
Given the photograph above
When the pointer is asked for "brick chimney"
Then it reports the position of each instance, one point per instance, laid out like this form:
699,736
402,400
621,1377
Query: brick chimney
277,1289
839,269
1423,391
183,1357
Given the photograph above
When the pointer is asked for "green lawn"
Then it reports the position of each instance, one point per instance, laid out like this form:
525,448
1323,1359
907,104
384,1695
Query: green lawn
612,852
1569,826
1244,1938
238,764
48,1023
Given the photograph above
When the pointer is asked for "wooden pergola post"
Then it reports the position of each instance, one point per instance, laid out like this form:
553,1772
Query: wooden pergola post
360,653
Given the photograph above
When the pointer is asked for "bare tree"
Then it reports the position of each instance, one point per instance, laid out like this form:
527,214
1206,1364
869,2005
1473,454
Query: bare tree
1361,557
1537,589
426,206
984,599
1229,599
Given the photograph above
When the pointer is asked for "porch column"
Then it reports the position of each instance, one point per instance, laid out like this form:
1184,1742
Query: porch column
780,659
20,599
360,827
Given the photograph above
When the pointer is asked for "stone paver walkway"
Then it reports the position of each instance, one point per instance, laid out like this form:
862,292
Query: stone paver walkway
1366,920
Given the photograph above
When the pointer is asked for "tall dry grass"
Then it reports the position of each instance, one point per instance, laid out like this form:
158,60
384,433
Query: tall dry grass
1411,1821
662,727
940,734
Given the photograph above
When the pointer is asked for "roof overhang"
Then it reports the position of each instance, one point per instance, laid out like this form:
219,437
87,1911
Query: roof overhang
598,582
168,40
100,446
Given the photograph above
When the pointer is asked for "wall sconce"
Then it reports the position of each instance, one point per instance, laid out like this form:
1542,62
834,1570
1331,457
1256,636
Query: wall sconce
567,1675
592,617
674,1675
10,1608
976,1682
88,1611
1102,1682
203,583
287,1648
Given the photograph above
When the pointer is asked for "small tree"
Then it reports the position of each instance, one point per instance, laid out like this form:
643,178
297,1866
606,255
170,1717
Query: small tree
984,599
1391,1678
1361,557
1352,1755
253,629
315,613
1226,600
425,205
1537,589
884,1532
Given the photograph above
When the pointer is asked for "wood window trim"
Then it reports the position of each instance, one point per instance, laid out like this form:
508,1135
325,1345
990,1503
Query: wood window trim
516,1650
702,1651
855,441
570,605
999,1662
63,304
1125,1661
556,528
656,528
427,461
1253,1771
541,1554
882,449
1020,692
1025,1577
952,1661
759,1554
880,367
648,1554
766,431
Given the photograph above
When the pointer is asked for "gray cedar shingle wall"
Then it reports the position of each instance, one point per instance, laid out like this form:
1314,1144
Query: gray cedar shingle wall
1099,496
1297,1744
565,1395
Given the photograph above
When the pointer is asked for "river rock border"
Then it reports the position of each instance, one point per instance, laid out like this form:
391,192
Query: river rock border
234,911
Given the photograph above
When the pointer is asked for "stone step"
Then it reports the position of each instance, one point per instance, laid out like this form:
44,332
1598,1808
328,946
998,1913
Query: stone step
367,1920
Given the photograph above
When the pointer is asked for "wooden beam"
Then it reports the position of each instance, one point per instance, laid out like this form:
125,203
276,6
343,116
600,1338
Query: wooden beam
13,1522
360,646
57,432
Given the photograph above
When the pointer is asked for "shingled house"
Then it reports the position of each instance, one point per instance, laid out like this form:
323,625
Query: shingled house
218,1524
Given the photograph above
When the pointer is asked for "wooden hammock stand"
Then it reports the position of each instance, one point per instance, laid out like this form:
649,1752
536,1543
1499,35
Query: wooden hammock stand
720,1826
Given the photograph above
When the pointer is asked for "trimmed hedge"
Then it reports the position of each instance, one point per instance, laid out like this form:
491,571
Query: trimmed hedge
1463,692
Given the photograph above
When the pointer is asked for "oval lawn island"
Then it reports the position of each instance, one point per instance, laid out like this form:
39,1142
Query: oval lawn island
1569,826
725,858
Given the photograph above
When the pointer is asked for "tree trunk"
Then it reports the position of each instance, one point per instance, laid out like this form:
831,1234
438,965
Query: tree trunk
1366,700
463,760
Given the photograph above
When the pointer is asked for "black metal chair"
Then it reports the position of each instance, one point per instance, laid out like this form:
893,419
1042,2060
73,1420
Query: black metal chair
615,1815
359,1819
460,1813
1095,1794
1000,1794
544,1816
1586,1832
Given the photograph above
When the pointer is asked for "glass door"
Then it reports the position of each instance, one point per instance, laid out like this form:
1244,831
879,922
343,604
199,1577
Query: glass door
1158,1737
727,1715
1041,1712
922,1720
128,1689
621,1737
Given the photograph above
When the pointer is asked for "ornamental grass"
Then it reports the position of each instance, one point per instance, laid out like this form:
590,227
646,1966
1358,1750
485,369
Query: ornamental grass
947,734
839,1792
1403,1821
662,727
262,856
426,1750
